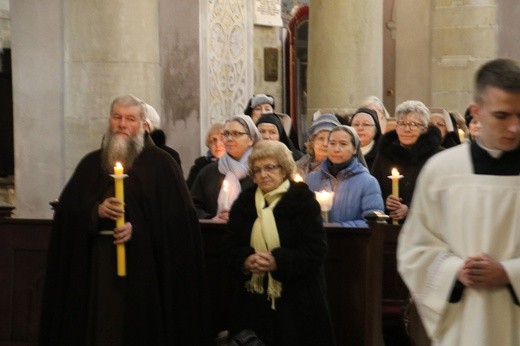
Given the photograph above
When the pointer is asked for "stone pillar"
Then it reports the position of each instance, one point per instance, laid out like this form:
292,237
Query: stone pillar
464,36
37,50
413,51
70,59
179,32
345,54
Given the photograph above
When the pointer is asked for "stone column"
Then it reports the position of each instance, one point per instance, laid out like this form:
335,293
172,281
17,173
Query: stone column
464,36
345,54
413,51
70,59
37,50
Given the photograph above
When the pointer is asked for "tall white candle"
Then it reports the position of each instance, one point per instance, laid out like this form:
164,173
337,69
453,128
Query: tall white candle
225,191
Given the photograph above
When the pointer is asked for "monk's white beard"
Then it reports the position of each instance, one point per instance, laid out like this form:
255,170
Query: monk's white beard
121,149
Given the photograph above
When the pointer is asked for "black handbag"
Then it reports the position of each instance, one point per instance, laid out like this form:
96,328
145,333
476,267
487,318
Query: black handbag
245,337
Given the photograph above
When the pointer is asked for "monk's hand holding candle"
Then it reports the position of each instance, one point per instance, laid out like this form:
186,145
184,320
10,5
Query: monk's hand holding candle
123,233
111,208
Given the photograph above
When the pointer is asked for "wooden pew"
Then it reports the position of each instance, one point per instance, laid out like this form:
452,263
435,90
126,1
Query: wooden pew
353,270
395,293
23,255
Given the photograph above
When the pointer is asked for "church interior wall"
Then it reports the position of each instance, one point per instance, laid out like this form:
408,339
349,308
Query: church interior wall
438,46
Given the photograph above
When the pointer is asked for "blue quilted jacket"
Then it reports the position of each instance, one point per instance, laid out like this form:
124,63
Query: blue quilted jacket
356,192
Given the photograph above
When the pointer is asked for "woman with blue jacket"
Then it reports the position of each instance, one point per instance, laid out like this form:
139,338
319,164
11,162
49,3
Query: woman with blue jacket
344,172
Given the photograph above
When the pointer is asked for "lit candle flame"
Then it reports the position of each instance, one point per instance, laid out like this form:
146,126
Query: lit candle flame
462,135
325,198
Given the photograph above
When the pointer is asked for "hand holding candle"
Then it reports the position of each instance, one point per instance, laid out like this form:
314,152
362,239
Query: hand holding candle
120,195
395,186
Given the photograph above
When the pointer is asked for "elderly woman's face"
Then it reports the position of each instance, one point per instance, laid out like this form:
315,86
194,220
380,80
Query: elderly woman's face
409,128
438,120
216,145
365,128
341,148
268,131
259,110
267,174
236,140
320,145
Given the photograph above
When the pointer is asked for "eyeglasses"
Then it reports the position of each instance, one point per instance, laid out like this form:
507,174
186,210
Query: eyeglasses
234,134
362,126
439,124
412,126
267,169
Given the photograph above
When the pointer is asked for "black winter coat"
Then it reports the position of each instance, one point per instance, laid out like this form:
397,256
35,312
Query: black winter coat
408,162
198,165
302,315
206,188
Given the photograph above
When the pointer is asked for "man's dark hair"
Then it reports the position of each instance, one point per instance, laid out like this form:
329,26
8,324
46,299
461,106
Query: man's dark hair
500,73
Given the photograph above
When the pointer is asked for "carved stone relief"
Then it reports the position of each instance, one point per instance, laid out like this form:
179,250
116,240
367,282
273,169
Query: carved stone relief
229,58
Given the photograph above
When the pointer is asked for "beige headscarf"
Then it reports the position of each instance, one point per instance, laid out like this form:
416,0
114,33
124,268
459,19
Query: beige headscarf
264,237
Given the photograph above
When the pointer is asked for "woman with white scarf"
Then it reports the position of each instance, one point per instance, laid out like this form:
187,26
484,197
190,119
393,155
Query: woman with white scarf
276,247
219,183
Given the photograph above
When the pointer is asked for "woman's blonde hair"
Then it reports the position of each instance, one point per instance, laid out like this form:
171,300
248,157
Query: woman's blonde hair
273,150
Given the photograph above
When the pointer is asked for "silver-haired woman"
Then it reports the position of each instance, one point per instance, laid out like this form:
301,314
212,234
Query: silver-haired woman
406,149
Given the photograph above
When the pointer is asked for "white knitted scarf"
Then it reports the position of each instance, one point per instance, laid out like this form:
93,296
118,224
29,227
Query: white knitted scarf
234,171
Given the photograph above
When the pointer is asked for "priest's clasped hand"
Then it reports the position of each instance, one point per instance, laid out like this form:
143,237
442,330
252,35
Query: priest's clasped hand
482,271
111,208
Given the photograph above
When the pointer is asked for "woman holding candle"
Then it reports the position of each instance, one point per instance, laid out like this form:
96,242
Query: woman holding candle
208,192
406,149
356,192
276,247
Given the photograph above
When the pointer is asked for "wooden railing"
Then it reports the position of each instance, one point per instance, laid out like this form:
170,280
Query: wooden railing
353,269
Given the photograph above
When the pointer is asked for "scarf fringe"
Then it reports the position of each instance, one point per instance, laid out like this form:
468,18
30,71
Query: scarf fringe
255,284
274,288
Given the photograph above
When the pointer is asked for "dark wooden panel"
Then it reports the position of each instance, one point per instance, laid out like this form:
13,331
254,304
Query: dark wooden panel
23,248
353,270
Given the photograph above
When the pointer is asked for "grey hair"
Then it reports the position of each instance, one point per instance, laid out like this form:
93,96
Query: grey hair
128,101
413,106
248,125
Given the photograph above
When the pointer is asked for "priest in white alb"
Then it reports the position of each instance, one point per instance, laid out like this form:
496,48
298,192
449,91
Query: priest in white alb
459,250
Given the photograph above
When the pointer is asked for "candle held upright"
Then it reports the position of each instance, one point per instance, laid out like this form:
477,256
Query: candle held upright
225,188
395,186
325,199
120,195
